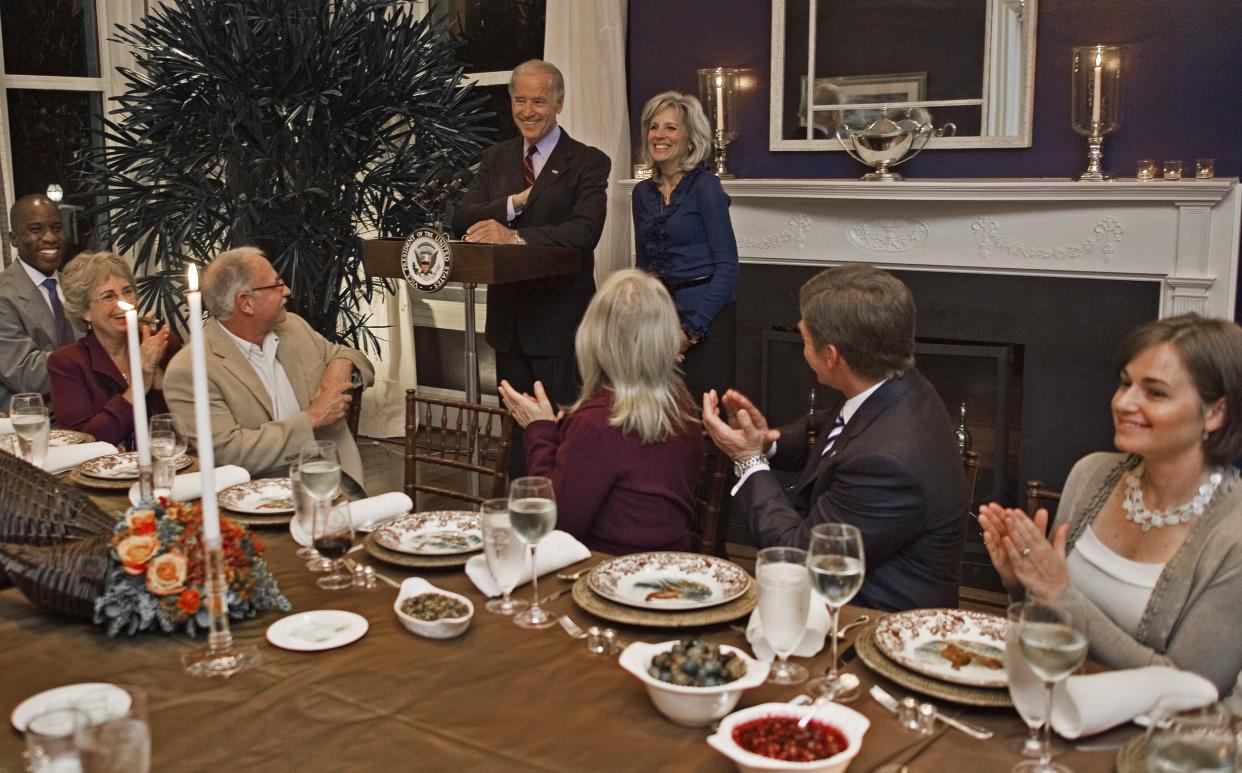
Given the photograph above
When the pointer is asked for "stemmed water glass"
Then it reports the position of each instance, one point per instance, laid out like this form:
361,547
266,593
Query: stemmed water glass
506,555
30,422
532,514
784,600
304,516
1054,647
1025,689
166,445
333,536
836,560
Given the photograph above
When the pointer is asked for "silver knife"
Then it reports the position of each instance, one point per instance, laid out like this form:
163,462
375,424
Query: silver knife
554,596
890,703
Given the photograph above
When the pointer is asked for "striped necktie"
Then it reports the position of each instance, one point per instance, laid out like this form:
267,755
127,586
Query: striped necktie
528,166
64,331
838,427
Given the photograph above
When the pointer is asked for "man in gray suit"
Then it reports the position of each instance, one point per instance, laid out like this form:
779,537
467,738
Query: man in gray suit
274,383
32,320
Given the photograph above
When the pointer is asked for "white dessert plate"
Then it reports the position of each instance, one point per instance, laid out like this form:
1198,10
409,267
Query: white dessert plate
92,697
320,629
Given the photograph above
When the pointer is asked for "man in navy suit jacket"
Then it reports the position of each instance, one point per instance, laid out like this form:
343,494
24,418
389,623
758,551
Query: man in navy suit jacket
885,460
557,197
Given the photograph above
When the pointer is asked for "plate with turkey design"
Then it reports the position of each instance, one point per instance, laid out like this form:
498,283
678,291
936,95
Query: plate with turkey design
122,466
669,581
432,533
266,496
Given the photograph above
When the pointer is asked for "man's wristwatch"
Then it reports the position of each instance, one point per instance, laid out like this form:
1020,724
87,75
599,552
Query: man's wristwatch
740,466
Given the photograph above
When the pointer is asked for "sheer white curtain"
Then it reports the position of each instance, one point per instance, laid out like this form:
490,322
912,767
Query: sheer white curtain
586,39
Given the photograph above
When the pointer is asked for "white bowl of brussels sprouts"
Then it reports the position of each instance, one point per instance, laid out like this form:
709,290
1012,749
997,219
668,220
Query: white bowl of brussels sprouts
691,681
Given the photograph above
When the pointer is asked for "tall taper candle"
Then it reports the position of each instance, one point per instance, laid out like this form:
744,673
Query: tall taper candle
720,124
1095,92
202,410
138,387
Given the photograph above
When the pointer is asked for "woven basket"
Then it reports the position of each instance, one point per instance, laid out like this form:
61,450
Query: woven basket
65,579
36,508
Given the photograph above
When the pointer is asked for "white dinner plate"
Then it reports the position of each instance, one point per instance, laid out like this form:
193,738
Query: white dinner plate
266,496
668,580
320,629
96,698
917,639
432,533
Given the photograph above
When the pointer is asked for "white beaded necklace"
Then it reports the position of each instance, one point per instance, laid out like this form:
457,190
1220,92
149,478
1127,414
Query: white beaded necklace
1137,512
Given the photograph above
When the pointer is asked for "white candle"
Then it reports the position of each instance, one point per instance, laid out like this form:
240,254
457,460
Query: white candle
1095,93
202,411
138,388
720,124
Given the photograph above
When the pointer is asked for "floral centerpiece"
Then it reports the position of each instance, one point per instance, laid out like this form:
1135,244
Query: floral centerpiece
157,583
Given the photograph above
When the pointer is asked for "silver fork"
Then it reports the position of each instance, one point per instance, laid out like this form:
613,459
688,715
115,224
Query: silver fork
571,628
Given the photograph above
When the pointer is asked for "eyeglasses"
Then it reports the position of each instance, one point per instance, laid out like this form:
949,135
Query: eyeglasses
279,283
111,296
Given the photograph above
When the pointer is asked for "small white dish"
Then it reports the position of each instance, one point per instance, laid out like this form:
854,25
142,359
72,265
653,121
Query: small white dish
92,697
851,724
691,706
445,628
317,630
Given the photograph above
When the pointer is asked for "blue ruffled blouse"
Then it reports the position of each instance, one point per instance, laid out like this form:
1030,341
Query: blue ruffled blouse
691,237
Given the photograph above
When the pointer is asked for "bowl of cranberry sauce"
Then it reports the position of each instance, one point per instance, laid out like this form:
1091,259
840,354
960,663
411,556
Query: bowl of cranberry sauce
767,737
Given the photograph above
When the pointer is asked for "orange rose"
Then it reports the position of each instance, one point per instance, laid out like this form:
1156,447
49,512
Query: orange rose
141,521
135,551
189,600
166,574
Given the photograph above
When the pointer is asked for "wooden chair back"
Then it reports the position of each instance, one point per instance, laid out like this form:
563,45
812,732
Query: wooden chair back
708,496
460,436
355,410
970,461
1037,496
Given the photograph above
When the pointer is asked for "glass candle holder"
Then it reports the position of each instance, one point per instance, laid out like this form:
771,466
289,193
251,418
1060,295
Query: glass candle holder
1095,101
1146,169
1205,168
1173,169
718,92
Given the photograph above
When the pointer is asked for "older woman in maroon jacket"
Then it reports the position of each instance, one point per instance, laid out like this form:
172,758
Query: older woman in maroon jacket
623,460
90,377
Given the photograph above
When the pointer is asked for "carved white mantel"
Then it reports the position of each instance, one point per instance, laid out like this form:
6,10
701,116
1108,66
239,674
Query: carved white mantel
1184,234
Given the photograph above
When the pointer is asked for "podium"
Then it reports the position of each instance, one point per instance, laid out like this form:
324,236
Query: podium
473,265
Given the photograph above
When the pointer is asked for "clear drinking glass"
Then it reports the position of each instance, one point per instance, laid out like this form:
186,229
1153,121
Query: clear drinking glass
304,517
50,747
532,514
1054,648
167,444
1196,741
784,601
30,422
116,742
837,563
319,474
1025,689
333,536
506,555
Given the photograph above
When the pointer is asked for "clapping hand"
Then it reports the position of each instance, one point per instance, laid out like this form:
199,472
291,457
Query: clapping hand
746,433
526,409
151,351
1021,554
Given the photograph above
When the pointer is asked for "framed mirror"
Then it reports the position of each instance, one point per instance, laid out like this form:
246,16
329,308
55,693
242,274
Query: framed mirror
966,62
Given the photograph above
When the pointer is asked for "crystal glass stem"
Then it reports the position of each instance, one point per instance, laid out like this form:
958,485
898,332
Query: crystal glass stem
834,617
220,658
1045,746
536,611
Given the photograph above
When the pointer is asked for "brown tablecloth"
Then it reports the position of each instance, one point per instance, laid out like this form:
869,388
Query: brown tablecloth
498,698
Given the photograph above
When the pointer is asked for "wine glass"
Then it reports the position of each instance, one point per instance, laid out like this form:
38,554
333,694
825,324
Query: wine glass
1054,647
1025,689
304,516
506,555
1197,740
532,514
835,558
29,417
166,445
333,536
784,600
320,470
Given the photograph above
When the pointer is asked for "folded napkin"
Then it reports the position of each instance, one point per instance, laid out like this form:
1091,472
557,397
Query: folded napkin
556,551
1095,702
61,458
817,622
189,485
6,426
366,514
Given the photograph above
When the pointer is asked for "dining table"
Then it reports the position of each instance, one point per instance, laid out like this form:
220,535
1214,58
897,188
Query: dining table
498,697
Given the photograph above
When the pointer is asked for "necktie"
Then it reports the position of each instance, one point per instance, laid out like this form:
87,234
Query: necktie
64,331
812,462
838,427
528,166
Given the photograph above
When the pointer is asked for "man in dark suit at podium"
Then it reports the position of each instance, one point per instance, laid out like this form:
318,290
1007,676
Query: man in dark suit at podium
542,188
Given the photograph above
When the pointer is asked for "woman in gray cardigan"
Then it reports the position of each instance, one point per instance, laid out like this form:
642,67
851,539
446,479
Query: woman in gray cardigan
1146,552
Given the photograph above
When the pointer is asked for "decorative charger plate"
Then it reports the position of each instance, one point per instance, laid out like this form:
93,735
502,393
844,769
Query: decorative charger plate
121,466
266,496
669,581
376,550
599,606
957,645
432,533
65,437
878,662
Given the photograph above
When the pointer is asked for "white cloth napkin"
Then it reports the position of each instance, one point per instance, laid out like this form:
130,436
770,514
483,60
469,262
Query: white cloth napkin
189,485
365,514
6,426
61,458
556,551
1095,702
817,622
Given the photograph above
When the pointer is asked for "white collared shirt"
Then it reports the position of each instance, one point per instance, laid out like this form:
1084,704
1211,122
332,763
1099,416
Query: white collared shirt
545,145
270,372
38,277
848,410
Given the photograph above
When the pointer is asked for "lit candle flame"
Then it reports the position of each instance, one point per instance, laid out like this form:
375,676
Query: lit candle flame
125,305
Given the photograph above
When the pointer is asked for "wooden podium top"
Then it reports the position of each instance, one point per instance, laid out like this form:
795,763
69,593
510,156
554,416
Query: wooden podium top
485,264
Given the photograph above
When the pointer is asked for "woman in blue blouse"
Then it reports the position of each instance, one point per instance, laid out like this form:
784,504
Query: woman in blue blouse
683,235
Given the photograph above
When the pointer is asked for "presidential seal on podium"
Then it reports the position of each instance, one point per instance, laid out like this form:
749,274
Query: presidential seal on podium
426,259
